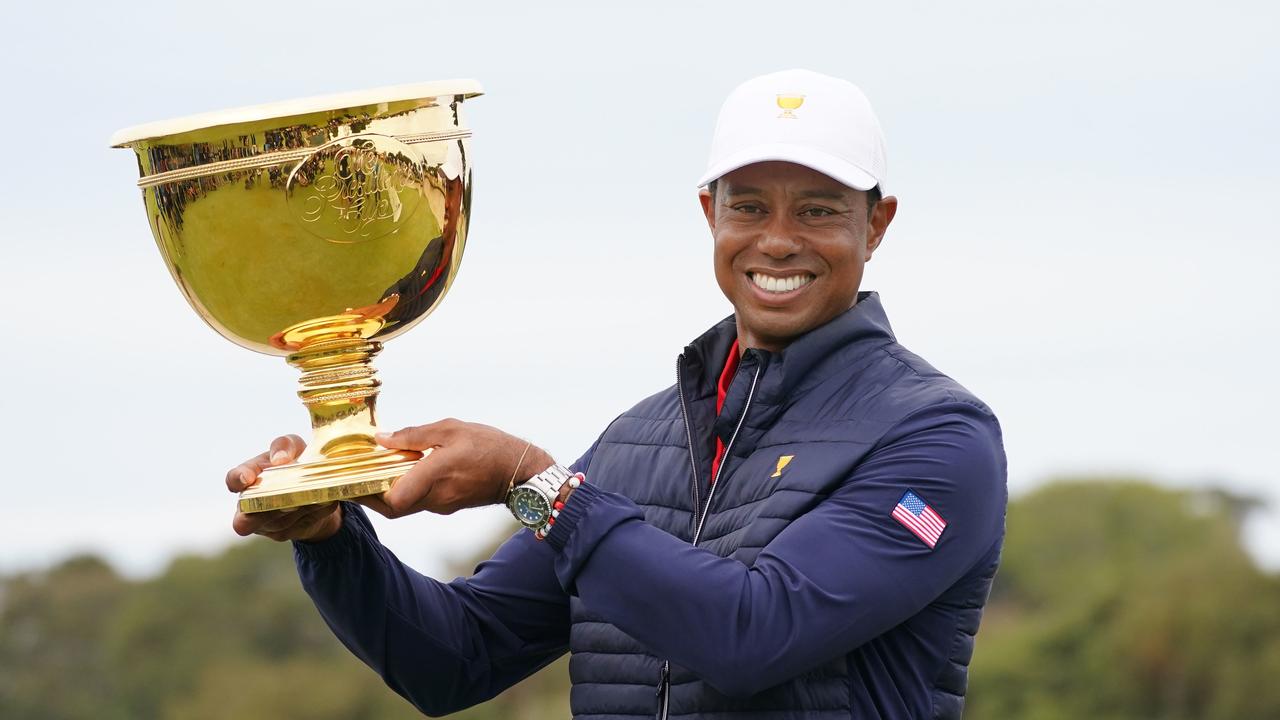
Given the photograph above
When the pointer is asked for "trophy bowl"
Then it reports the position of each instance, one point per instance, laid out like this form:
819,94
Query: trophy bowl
316,229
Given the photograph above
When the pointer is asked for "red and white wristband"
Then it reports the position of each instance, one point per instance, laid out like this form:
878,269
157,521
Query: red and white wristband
566,490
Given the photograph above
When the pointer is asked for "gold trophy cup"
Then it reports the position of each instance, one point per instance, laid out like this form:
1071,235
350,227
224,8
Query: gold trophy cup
316,230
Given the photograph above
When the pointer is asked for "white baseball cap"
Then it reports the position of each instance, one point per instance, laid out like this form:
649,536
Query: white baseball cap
804,117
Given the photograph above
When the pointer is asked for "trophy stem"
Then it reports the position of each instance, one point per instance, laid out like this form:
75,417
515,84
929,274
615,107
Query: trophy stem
339,386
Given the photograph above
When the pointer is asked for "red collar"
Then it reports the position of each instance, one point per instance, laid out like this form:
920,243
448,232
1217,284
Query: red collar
722,389
726,376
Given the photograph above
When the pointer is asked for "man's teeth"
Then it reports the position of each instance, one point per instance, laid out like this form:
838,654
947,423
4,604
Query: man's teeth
769,283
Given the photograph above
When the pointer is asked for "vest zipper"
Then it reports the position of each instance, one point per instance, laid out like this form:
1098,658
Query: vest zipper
715,482
688,433
664,690
700,511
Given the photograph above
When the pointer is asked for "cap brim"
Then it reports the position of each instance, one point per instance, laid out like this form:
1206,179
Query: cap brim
833,167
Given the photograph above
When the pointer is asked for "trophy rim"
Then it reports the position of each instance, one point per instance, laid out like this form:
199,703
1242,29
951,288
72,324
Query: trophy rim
467,87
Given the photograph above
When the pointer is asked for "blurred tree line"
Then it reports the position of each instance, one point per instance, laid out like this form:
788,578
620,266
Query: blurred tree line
1115,599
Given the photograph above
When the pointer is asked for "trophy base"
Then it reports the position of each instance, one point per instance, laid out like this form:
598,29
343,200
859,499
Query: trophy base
327,480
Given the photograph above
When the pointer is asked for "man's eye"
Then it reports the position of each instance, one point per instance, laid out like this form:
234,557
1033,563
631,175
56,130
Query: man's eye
817,212
748,208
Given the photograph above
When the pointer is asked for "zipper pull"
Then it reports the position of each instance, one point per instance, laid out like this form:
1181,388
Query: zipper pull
664,688
663,676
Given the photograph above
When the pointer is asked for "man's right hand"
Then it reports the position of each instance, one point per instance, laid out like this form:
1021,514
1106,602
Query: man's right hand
310,523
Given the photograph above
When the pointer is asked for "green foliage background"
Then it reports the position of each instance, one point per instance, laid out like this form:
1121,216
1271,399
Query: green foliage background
1115,599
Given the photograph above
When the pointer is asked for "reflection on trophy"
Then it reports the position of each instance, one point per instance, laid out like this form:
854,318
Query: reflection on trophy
316,229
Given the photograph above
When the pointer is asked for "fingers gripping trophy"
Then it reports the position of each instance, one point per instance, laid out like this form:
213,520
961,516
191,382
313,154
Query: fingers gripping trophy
316,230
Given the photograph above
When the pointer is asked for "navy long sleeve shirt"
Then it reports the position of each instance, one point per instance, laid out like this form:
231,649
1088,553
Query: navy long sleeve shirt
838,576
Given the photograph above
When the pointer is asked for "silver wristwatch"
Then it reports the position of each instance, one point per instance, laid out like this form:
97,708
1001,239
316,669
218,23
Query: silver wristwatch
531,501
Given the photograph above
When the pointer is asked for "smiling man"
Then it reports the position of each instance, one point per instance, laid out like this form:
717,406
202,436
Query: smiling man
806,524
790,247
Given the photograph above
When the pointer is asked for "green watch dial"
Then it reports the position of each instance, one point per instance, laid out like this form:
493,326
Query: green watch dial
529,507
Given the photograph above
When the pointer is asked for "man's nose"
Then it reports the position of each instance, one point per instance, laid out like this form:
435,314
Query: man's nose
777,242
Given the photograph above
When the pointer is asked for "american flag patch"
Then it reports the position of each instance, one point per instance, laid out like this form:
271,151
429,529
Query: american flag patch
916,516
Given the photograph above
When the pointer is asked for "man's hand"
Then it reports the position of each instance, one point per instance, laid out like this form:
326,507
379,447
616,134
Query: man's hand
469,465
309,523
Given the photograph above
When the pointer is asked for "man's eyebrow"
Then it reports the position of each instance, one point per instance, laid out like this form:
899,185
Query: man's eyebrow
822,194
815,193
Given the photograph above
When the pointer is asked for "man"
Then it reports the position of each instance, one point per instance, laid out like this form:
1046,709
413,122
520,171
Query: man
806,524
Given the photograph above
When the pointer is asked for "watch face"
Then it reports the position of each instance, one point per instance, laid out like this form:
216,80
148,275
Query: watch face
529,507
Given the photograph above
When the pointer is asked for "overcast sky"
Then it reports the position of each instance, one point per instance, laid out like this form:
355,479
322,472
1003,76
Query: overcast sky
1086,236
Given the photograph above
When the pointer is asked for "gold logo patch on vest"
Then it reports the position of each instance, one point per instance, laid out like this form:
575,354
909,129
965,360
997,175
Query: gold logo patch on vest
782,462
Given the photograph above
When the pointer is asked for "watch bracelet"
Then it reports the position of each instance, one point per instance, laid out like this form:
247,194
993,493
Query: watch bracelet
561,498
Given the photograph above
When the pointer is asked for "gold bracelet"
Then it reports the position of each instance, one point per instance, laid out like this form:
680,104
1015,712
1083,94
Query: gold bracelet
512,483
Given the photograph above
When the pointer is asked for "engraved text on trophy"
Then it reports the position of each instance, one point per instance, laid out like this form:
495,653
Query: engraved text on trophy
357,188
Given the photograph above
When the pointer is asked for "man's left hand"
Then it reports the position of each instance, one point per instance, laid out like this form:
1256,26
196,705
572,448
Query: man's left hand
469,465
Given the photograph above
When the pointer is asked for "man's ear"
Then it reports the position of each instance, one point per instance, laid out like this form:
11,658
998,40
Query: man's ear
708,207
881,215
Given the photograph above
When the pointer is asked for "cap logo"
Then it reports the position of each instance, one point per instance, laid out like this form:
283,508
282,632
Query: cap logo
789,103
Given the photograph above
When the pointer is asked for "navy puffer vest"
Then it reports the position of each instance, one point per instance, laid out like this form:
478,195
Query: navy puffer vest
835,391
